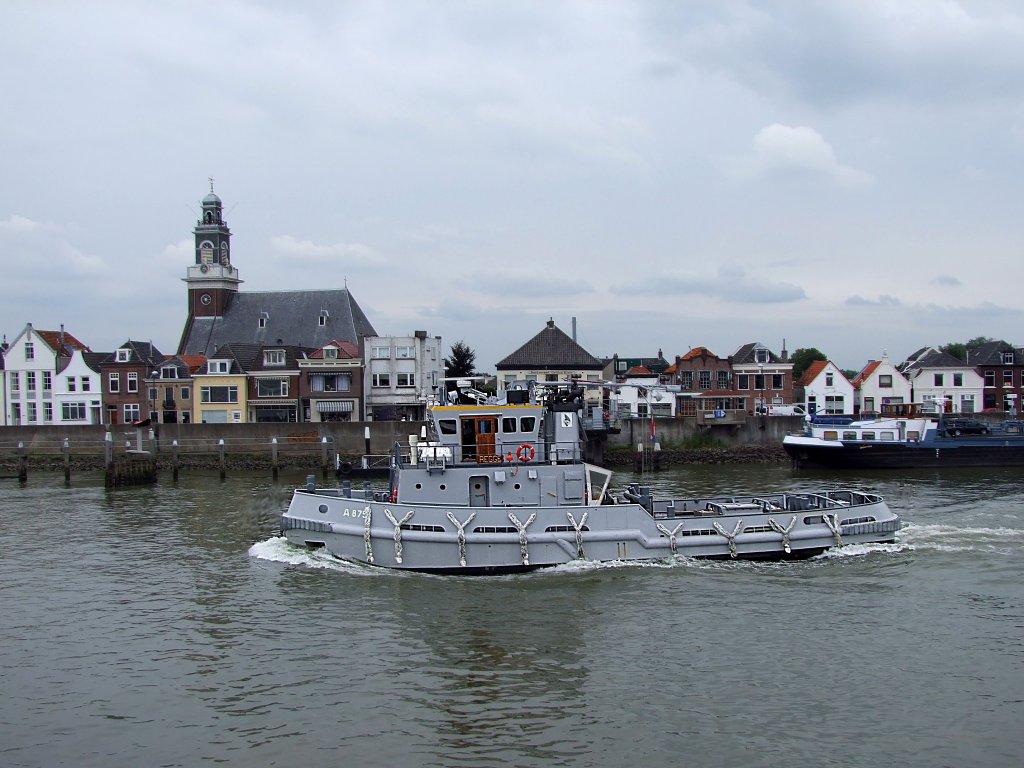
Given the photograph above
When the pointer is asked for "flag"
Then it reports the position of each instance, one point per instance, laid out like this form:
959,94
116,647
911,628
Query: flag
652,428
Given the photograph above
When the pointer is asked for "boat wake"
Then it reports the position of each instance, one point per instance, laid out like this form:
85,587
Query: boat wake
949,538
280,550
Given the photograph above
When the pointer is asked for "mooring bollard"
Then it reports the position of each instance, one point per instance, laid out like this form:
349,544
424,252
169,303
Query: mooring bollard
273,458
174,460
223,459
323,457
108,459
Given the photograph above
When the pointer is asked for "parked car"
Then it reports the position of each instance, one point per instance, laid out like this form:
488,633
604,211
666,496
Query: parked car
793,409
964,427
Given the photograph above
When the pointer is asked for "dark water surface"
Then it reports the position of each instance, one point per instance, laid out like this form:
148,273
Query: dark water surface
169,626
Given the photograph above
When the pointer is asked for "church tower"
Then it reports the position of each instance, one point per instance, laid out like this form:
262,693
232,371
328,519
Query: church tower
212,281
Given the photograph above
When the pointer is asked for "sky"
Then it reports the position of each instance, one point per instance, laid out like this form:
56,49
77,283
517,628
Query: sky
831,174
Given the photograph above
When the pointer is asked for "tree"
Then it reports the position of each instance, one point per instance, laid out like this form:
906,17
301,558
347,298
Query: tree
959,349
461,362
802,359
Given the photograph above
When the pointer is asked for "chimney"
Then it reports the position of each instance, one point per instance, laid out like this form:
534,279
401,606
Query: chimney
574,329
785,354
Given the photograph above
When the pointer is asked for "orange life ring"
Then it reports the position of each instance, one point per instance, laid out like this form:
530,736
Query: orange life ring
525,453
394,495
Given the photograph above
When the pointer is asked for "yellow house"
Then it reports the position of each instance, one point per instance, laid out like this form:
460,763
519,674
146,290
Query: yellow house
220,393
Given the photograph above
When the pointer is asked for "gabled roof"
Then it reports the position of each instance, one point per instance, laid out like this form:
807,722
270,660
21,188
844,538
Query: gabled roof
290,318
696,352
61,342
292,355
551,349
346,350
745,354
930,357
865,372
143,353
640,370
813,371
242,355
991,353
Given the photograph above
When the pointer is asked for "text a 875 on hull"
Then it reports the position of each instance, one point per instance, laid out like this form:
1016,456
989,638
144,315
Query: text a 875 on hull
501,486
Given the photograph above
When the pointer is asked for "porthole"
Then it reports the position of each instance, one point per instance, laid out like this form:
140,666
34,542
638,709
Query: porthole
517,486
323,509
476,486
419,486
442,487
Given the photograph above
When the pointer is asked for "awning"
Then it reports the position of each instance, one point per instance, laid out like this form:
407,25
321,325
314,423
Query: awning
334,406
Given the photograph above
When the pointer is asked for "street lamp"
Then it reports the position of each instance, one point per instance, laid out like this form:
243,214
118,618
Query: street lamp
760,376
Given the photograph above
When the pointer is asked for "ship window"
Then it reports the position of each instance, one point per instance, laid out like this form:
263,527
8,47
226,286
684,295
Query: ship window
448,426
496,529
831,434
442,487
322,509
564,529
517,486
849,435
419,486
867,436
913,435
888,435
813,520
508,425
528,424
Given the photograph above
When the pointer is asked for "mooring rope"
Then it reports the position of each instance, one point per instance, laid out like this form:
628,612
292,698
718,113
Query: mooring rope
366,534
777,527
462,534
671,535
832,521
523,552
580,555
398,531
731,537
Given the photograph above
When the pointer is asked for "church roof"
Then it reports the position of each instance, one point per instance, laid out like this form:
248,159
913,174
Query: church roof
291,318
551,349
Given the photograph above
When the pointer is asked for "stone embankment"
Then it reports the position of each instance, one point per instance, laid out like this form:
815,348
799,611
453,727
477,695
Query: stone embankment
739,454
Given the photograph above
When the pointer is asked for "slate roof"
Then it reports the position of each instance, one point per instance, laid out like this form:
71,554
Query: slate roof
745,354
929,357
991,353
292,318
551,349
143,353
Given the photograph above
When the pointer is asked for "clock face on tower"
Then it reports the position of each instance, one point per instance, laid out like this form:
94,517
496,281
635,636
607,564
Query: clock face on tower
205,299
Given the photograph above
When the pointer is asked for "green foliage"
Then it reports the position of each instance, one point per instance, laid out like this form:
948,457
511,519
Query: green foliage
461,362
960,349
802,359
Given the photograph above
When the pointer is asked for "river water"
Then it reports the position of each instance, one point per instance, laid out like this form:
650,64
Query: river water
170,626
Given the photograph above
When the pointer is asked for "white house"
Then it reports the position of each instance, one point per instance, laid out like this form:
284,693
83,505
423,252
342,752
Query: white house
78,389
826,389
940,378
402,374
640,394
30,365
880,383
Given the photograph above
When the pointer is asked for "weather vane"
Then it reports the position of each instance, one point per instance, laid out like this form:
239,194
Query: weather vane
211,182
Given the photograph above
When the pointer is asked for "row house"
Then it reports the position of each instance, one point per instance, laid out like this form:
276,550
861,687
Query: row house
31,363
705,382
170,389
124,372
949,383
78,389
331,383
826,389
879,384
617,368
1001,367
404,374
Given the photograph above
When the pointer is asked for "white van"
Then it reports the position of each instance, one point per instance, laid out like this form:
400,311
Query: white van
794,409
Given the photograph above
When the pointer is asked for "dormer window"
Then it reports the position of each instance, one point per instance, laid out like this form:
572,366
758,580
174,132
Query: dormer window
264,317
1007,358
761,356
169,372
273,357
218,366
330,353
124,355
324,314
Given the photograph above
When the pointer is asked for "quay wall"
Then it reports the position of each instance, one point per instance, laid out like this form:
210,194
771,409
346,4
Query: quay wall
315,444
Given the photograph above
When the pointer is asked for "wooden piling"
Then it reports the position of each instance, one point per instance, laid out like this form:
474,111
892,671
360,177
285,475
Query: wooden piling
274,466
22,463
175,460
223,459
66,451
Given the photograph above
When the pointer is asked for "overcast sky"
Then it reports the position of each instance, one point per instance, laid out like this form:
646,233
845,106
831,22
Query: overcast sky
840,175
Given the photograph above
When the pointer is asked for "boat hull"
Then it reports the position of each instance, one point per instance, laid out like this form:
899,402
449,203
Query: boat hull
483,540
811,453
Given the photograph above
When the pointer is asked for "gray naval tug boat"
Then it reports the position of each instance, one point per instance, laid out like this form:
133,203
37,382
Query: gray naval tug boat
503,486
